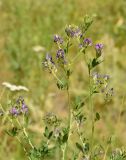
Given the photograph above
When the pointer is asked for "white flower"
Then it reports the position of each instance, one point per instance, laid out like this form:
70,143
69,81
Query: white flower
38,48
13,87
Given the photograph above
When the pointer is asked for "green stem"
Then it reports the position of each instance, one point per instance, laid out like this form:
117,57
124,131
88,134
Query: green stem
104,158
80,137
57,78
63,150
26,135
69,124
73,60
23,147
92,115
91,105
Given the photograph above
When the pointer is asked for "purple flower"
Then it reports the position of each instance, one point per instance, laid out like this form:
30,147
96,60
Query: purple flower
24,109
99,48
49,58
14,111
49,64
60,54
96,75
58,39
87,42
73,31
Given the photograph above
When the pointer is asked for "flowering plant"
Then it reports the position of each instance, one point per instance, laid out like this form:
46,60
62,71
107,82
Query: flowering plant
58,135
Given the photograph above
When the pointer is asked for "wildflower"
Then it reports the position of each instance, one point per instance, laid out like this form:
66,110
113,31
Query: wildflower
96,76
38,49
87,42
24,108
101,84
51,119
73,31
109,94
60,54
49,58
14,111
58,39
49,63
13,87
98,48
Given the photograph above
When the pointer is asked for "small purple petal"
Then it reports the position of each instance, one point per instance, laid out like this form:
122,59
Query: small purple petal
87,42
58,39
49,58
99,46
24,109
14,111
60,54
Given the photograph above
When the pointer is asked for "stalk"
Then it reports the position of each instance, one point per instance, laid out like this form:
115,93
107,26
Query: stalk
69,124
92,114
25,134
90,104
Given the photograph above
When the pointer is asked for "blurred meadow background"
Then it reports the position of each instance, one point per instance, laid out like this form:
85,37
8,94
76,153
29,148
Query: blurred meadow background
26,26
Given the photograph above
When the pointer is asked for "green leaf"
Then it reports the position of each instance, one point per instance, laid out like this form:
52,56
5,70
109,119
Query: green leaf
86,147
62,85
94,62
69,72
78,103
97,116
46,133
13,132
65,135
65,138
50,134
79,146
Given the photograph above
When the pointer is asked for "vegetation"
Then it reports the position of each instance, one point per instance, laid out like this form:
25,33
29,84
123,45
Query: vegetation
61,95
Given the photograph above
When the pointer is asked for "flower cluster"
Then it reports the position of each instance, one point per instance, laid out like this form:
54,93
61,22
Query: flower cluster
58,39
49,63
85,43
60,54
73,31
101,84
99,48
51,119
19,107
